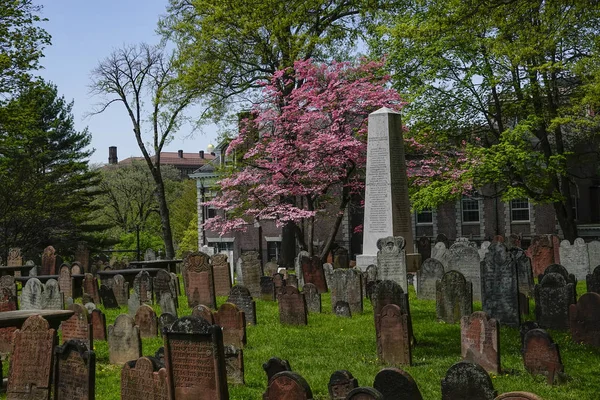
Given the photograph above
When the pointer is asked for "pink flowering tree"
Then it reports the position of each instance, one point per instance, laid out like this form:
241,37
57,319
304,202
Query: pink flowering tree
303,151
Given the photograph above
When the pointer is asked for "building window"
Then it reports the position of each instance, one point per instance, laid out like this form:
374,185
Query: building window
273,250
221,246
470,210
211,212
519,210
424,217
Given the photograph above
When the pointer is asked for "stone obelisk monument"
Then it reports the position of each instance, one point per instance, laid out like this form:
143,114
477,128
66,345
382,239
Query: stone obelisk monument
387,208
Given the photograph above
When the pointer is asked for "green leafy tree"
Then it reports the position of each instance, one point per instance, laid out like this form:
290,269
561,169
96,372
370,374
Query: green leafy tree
184,210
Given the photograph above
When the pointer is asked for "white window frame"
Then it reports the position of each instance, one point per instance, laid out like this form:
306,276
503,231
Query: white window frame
424,211
462,211
520,208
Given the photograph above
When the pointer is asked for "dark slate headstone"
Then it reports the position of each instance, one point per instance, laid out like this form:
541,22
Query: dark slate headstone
480,341
342,309
165,320
584,319
143,378
424,247
541,355
465,259
526,327
431,271
231,319
240,296
499,286
167,304
287,385
31,295
198,280
394,383
146,320
205,313
393,339
274,366
593,280
267,288
370,289
341,259
365,393
48,261
340,384
312,270
346,286
74,371
312,297
65,282
78,326
120,288
163,285
552,300
90,287
234,365
142,286
195,360
108,297
558,269
389,292
466,380
292,307
124,342
513,240
98,320
251,270
454,297
524,271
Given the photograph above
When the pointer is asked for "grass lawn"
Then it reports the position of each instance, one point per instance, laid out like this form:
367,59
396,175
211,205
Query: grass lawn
330,343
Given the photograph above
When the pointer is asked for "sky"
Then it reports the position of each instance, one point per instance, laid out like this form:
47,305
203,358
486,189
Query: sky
83,34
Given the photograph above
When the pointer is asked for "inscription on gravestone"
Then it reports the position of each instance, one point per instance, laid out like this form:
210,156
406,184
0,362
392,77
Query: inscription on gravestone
251,269
431,271
500,288
391,261
287,385
479,341
143,379
221,274
292,307
552,300
121,289
541,355
74,372
78,326
142,286
124,342
393,340
274,366
231,319
145,319
454,297
347,286
465,259
340,384
200,288
240,296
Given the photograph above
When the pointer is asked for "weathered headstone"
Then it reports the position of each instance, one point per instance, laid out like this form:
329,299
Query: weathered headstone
267,288
431,271
524,271
74,371
251,271
593,281
518,396
205,313
287,385
424,247
342,309
499,286
76,269
31,295
480,341
143,378
8,302
133,303
466,380
149,255
559,269
298,268
371,273
167,304
234,365
14,258
142,286
120,288
52,298
312,270
200,288
389,292
483,250
221,274
240,296
165,320
292,280
526,327
575,257
347,286
292,307
396,383
78,326
278,283
393,339
523,304
365,393
341,259
391,261
541,253
584,319
107,295
98,321
454,297
65,282
328,271
312,297
441,253
163,284
270,268
465,259
146,320
340,384
553,296
274,366
124,342
48,261
232,320
89,306
541,355
90,287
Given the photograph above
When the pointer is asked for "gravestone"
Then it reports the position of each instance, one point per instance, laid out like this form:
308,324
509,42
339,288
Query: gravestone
251,270
431,271
234,365
287,385
342,309
48,261
124,342
328,271
149,255
518,396
454,297
14,258
163,284
480,341
232,320
541,355
165,320
365,393
465,259
31,360
143,378
524,271
298,268
393,339
312,270
292,307
74,371
240,296
120,288
347,286
292,280
90,287
31,295
394,383
575,258
167,304
205,313
274,366
278,283
312,297
8,302
593,281
200,288
271,268
221,274
82,257
76,269
391,261
341,259
389,292
98,321
441,253
340,384
78,326
371,273
593,248
483,250
195,360
52,298
499,286
107,295
145,319
558,269
65,282
89,306
142,286
542,253
584,319
553,296
466,380
424,247
267,288
387,207
133,303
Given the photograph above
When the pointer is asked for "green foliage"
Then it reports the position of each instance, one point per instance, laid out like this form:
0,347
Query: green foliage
189,241
184,209
128,241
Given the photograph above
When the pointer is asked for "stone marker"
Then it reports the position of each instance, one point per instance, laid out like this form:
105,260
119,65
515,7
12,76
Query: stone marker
163,285
8,302
292,280
48,261
441,253
76,269
394,383
524,271
133,304
65,282
552,300
15,259
389,292
292,307
82,257
120,288
342,309
198,280
142,286
485,247
523,304
298,268
143,378
559,269
89,307
278,283
149,255
251,270
393,340
480,341
391,261
312,297
124,342
270,268
234,365
145,319
74,371
312,270
499,286
466,380
274,366
205,313
340,384
518,396
424,247
364,393
195,360
431,271
78,326
454,297
371,273
541,355
541,253
347,286
167,304
584,319
31,295
165,320
107,295
526,327
328,271
240,296
575,257
90,287
341,259
267,288
98,320
287,385
593,248
593,281
232,320
31,360
465,259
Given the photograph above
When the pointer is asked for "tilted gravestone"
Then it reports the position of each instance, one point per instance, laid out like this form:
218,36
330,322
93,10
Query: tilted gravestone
74,371
165,320
524,271
575,258
107,295
251,270
231,319
167,304
390,292
124,342
31,295
198,278
267,288
584,319
240,296
52,298
542,253
465,259
234,364
312,297
146,320
342,309
341,259
312,270
393,340
162,284
431,271
391,261
143,378
424,247
48,261
593,281
90,287
396,383
298,268
65,282
541,355
466,380
142,286
201,311
454,297
31,360
98,321
195,360
292,307
340,384
499,286
78,326
553,296
287,385
365,393
274,366
559,269
480,341
120,288
347,286
441,253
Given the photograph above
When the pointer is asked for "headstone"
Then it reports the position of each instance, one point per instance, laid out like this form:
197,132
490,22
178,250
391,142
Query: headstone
76,269
52,298
234,365
143,378
165,320
89,306
124,342
513,240
465,259
48,261
267,288
480,341
65,282
389,292
195,360
499,286
232,320
292,307
149,255
271,268
391,261
133,303
29,375
342,309
298,268
74,371
524,270
8,302
584,319
365,393
240,296
312,270
483,250
393,339
341,259
167,304
575,257
328,271
292,280
208,250
142,286
541,253
541,355
347,286
466,380
518,396
78,326
221,274
441,253
251,272
593,281
82,257
371,273
312,297
278,283
454,297
163,284
14,257
431,271
394,383
287,385
108,297
120,288
98,321
274,366
424,247
340,384
198,279
205,313
145,319
593,248
526,327
553,296
31,295
90,287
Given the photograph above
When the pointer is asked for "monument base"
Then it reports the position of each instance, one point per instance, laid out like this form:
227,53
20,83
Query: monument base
364,260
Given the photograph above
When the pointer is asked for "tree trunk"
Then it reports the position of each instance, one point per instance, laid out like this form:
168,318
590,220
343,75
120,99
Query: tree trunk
566,221
288,245
336,225
164,217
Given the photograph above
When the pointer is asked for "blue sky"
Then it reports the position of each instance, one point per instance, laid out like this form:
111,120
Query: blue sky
84,33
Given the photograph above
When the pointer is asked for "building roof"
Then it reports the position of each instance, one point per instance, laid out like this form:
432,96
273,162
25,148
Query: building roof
176,159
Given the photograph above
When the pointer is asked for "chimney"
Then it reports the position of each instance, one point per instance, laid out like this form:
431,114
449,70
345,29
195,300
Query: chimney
180,153
201,152
112,155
